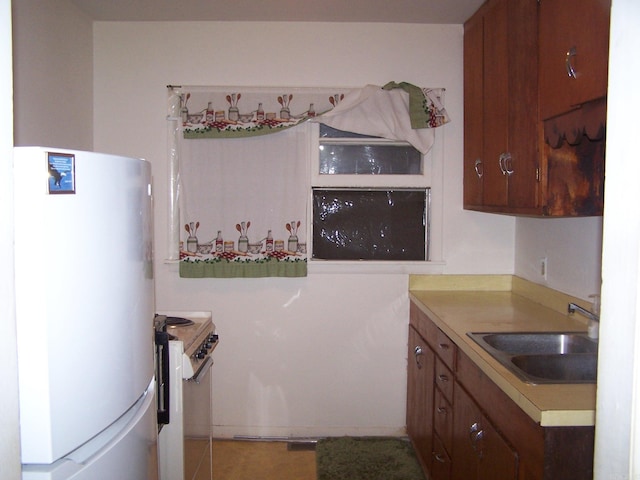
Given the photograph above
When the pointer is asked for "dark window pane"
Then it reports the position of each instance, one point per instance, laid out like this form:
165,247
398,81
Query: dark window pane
369,224
328,132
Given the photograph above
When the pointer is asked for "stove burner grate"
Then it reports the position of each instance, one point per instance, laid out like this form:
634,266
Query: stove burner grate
178,322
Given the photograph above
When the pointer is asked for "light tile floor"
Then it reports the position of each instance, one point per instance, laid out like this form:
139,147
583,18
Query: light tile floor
256,460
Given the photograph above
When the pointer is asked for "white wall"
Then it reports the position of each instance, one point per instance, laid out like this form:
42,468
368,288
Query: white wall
53,80
573,248
326,353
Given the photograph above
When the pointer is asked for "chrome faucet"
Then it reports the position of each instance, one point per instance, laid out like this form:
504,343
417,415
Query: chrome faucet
577,308
594,319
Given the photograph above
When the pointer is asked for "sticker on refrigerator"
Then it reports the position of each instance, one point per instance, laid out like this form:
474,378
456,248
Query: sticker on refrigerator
62,177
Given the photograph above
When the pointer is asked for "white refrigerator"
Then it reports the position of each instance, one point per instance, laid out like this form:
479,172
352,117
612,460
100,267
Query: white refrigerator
84,309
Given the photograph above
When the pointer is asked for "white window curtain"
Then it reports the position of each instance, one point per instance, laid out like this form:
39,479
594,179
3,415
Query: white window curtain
259,183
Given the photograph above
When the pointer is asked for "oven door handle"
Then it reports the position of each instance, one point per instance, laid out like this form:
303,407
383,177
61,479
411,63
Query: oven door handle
162,374
202,371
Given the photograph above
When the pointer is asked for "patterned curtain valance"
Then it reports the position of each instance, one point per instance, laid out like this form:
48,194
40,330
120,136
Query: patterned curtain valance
397,111
240,112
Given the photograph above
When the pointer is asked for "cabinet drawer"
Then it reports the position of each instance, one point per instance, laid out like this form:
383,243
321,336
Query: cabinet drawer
423,325
443,420
444,380
445,349
441,462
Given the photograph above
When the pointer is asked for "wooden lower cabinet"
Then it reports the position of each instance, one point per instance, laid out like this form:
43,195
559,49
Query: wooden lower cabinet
479,451
464,427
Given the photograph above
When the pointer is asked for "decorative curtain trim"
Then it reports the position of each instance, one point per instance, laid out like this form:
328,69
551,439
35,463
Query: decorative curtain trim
396,112
266,267
252,113
425,105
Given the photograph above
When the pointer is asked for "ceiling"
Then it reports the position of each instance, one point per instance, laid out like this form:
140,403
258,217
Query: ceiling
390,11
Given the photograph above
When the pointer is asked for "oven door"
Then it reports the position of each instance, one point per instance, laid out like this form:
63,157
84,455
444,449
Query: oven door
197,422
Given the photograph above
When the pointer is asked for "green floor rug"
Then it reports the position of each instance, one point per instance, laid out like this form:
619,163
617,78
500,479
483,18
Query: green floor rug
367,458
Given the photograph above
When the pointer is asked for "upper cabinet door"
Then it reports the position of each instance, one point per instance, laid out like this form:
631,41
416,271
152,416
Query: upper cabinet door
495,115
573,58
474,160
501,107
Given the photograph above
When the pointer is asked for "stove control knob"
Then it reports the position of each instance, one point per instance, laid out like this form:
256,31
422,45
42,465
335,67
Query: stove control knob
201,354
213,337
207,345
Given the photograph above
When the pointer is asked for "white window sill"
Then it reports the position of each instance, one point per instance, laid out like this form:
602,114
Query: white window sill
369,266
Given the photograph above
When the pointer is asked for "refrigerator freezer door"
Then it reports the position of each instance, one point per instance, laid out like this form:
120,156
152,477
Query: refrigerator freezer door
126,450
84,297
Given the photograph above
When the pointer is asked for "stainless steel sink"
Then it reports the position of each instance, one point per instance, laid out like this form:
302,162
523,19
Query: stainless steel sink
539,343
569,368
543,357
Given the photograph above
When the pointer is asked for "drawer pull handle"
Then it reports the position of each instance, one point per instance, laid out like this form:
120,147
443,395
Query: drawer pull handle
439,457
444,346
506,163
417,353
443,378
571,73
476,434
478,168
442,410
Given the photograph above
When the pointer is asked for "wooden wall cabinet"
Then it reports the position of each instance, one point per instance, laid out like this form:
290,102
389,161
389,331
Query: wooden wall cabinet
521,155
574,50
471,429
500,91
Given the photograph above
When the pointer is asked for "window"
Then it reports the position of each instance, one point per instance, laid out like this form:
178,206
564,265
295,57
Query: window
370,199
369,224
340,154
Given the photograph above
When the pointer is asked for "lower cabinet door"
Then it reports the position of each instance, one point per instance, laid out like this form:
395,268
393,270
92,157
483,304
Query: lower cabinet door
420,396
441,464
479,451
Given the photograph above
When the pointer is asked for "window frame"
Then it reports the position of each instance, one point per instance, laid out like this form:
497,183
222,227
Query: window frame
430,179
365,180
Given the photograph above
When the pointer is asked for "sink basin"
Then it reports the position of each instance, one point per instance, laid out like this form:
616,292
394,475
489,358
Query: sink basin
570,368
543,357
539,343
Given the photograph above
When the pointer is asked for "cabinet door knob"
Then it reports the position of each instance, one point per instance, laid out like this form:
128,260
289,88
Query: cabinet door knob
572,52
478,168
443,378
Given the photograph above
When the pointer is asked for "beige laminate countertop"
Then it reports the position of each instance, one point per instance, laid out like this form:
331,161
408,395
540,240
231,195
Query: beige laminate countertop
502,303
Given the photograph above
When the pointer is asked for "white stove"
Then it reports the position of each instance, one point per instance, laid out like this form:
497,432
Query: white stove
192,339
197,332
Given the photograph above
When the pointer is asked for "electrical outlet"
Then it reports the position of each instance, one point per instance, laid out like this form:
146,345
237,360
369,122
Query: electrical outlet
543,267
